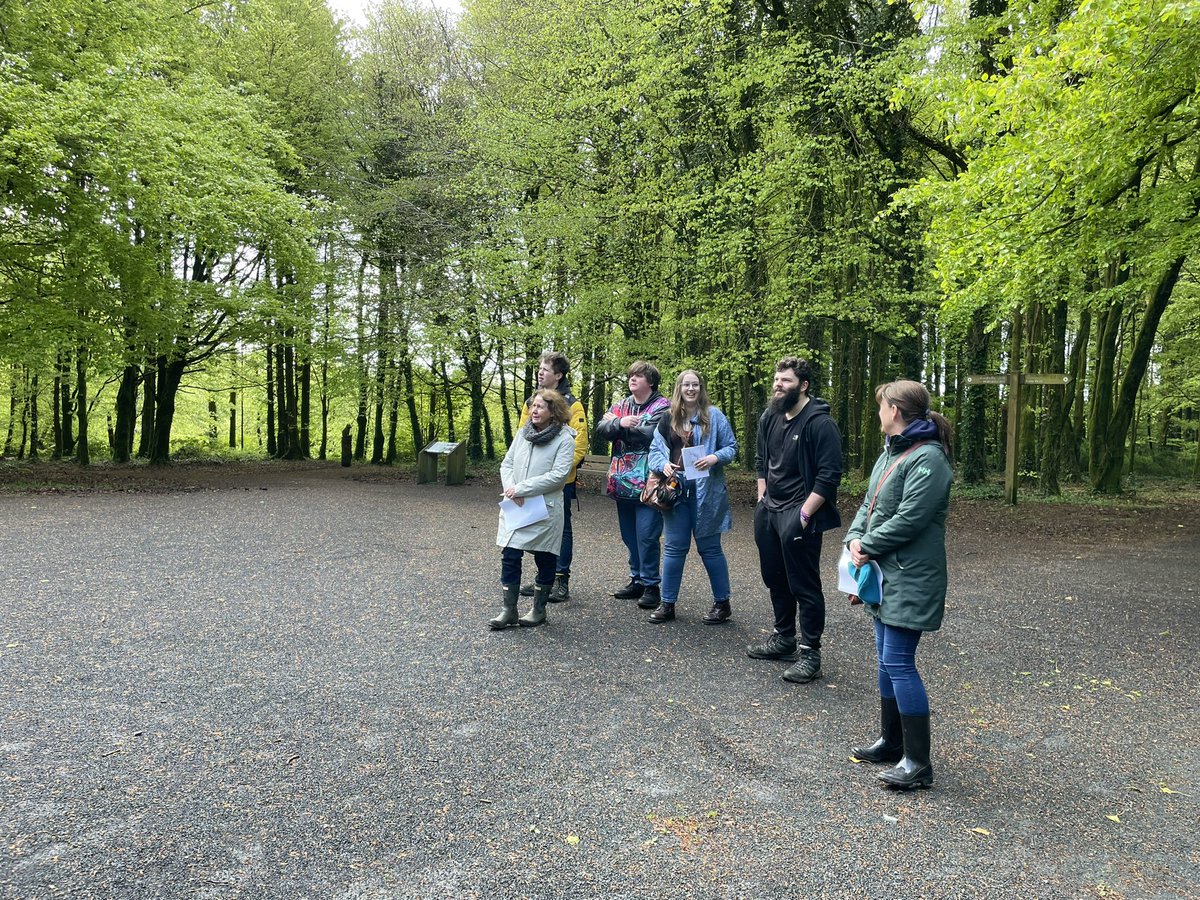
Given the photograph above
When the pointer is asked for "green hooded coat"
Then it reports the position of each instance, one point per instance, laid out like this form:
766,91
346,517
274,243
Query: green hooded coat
906,532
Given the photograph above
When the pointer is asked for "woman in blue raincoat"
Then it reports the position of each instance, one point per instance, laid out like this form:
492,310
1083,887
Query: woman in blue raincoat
703,511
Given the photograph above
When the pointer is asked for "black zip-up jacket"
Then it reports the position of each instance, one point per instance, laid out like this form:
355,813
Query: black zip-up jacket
820,456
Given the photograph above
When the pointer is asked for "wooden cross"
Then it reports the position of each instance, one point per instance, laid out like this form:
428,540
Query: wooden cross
1014,380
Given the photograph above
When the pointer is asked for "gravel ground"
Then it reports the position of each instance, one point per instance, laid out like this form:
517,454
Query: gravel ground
280,683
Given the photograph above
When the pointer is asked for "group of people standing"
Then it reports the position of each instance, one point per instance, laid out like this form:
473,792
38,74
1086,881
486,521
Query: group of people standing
900,527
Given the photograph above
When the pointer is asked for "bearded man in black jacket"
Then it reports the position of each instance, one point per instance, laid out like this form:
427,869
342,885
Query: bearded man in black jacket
799,463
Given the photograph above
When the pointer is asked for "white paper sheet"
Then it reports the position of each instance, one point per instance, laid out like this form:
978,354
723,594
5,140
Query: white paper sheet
533,510
690,456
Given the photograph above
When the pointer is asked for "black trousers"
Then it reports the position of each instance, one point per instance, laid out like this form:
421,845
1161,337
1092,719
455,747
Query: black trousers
790,561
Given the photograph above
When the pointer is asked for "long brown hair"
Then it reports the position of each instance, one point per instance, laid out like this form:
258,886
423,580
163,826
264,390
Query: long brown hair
679,415
912,400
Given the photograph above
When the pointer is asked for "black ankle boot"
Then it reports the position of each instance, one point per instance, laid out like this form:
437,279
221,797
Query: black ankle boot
561,590
651,597
889,746
536,615
631,591
508,614
914,770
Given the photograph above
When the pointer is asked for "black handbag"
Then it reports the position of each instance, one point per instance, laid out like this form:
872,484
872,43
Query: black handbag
662,492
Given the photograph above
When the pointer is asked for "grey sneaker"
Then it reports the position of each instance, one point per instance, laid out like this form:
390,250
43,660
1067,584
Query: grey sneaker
806,669
776,647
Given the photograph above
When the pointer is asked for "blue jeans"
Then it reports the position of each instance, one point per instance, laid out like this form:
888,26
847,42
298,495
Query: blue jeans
510,566
641,527
567,551
896,649
679,527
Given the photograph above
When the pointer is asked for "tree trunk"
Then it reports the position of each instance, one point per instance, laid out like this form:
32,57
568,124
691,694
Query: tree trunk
1056,421
972,454
149,407
55,416
12,410
126,414
410,401
68,409
305,401
448,392
1106,470
382,359
24,412
877,355
82,451
170,374
505,415
473,368
272,444
233,420
33,417
1073,415
360,351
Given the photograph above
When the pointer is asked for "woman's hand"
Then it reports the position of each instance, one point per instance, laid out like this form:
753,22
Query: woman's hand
856,553
670,469
511,494
707,462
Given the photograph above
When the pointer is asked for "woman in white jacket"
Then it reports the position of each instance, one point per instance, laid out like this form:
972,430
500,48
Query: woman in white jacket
538,462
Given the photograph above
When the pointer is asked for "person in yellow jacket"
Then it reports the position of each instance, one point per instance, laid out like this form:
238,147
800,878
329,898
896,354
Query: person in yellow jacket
553,374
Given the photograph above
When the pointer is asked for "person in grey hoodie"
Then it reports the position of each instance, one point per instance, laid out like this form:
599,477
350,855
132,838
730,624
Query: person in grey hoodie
799,463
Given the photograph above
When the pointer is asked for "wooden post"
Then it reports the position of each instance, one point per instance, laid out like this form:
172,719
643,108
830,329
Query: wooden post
456,464
1014,381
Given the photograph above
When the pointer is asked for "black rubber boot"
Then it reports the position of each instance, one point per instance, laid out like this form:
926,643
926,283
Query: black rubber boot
537,614
889,747
560,592
914,770
527,590
508,615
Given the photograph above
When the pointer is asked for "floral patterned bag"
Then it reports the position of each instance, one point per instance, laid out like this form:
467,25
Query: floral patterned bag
627,474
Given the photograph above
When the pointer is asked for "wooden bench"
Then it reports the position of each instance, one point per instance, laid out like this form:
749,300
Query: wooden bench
594,463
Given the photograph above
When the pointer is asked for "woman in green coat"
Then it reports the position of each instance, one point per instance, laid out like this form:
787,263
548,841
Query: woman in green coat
901,526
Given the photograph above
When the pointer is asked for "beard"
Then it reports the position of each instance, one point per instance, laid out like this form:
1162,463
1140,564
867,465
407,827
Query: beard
785,401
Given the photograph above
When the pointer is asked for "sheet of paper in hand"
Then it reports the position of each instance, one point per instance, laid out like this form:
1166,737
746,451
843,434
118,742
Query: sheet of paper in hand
690,456
533,510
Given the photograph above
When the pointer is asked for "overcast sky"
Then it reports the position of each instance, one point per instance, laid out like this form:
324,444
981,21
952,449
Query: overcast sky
354,9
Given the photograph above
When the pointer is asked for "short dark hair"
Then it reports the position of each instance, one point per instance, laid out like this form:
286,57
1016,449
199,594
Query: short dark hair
800,367
558,362
648,370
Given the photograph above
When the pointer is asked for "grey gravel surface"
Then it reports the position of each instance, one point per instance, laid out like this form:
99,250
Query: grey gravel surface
284,687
